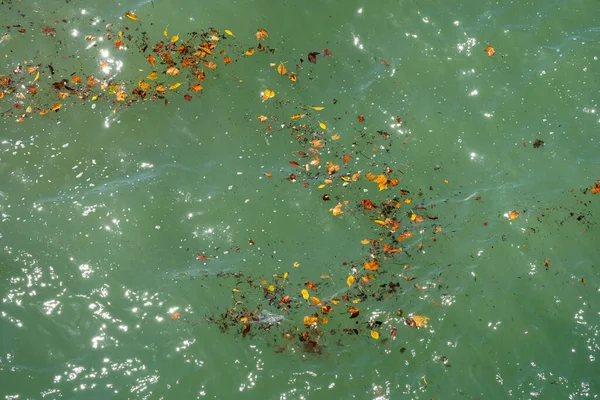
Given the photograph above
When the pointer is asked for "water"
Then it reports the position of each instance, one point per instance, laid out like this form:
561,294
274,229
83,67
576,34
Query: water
140,243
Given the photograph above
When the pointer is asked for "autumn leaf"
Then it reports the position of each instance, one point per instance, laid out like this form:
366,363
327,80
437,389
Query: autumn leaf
361,118
76,79
152,76
227,60
335,136
281,69
262,34
227,31
132,16
151,59
172,71
196,87
312,57
375,334
160,89
200,76
293,77
322,125
121,95
513,214
175,38
175,315
371,265
267,94
315,300
596,188
63,95
296,116
490,51
210,64
56,107
353,312
420,321
249,52
143,85
305,294
326,309
337,210
350,280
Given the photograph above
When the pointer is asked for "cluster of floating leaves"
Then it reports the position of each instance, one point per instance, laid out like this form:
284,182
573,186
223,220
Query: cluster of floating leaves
301,311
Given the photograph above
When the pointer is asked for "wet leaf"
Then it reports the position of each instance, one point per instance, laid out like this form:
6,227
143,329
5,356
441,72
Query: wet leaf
335,136
371,265
322,125
152,76
281,69
337,210
490,51
175,38
262,118
172,71
249,52
261,34
305,294
196,87
227,31
293,77
174,86
37,76
132,16
315,300
596,188
350,280
354,311
375,334
312,57
175,315
166,31
296,116
151,59
267,94
513,214
420,321
318,108
361,118
368,204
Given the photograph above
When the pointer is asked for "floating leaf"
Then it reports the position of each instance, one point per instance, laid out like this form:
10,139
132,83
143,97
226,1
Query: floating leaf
249,52
267,94
371,265
375,334
196,87
490,51
322,125
152,76
37,76
420,321
335,136
315,300
353,312
166,31
293,77
312,57
296,264
132,16
318,108
175,315
56,107
151,59
174,86
227,31
281,69
513,214
295,116
305,294
262,34
172,71
350,280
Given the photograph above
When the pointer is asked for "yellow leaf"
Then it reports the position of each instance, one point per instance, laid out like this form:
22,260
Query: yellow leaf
249,52
267,94
143,85
315,300
262,118
235,290
322,125
174,86
152,76
166,31
281,69
318,108
293,77
285,275
379,222
132,16
365,241
513,214
420,321
175,38
371,265
271,288
321,186
375,334
356,301
227,31
295,116
37,76
305,294
337,210
296,264
350,280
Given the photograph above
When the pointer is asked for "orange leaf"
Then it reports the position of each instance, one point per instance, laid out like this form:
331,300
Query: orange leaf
227,60
281,69
371,265
490,51
513,214
249,52
56,107
172,71
175,315
151,59
262,34
132,16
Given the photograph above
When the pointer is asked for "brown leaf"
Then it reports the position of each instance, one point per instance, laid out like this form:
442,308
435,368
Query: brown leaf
312,57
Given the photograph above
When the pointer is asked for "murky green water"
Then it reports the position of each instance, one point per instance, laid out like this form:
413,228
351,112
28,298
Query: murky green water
140,243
